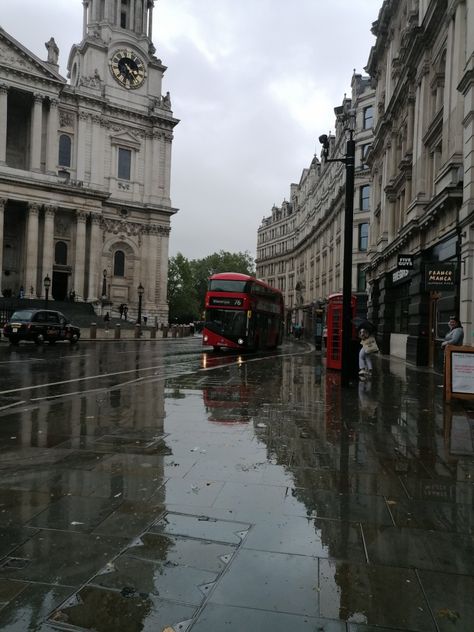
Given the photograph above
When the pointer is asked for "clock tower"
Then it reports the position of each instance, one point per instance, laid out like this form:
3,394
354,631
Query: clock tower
117,50
119,127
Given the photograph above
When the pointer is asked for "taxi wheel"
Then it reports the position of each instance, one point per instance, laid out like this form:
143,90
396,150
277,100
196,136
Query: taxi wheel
39,339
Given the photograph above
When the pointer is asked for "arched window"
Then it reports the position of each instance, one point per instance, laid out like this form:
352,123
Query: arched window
60,253
64,159
119,263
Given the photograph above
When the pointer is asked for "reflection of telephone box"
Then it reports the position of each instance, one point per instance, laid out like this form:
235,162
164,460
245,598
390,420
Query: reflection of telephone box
334,326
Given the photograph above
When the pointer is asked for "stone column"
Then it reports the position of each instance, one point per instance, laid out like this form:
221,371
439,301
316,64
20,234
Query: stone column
150,21
52,138
151,260
36,132
167,167
31,249
81,145
131,16
3,123
48,245
94,258
117,12
85,5
2,217
163,270
97,158
80,255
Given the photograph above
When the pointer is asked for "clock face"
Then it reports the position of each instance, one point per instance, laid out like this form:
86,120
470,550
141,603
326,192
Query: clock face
127,68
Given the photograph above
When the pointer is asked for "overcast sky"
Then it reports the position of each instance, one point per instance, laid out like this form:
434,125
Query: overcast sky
254,83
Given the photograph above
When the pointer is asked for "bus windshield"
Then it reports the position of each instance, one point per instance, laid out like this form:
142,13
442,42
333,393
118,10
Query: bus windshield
226,321
223,285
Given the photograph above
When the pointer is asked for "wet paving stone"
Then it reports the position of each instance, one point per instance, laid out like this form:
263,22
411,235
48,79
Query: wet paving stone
450,598
112,611
18,507
307,536
178,583
434,516
201,493
232,619
373,595
347,507
56,557
130,518
201,527
247,497
270,581
11,537
75,513
176,551
28,609
418,548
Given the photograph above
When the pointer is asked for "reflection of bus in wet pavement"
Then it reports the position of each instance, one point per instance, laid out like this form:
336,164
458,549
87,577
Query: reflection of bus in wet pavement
227,404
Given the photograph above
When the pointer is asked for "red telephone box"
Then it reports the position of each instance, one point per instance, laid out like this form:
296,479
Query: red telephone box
334,327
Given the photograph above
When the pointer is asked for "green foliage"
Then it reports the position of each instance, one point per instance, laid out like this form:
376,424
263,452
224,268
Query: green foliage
182,296
187,281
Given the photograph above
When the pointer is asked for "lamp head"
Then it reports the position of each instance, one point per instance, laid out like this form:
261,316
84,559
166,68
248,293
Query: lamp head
323,139
47,282
140,290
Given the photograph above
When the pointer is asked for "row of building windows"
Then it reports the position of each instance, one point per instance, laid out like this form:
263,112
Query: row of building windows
124,157
61,258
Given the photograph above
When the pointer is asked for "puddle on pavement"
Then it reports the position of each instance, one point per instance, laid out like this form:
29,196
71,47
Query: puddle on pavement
255,493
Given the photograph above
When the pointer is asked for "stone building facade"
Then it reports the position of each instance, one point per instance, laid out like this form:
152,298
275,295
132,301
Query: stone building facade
300,245
422,173
85,164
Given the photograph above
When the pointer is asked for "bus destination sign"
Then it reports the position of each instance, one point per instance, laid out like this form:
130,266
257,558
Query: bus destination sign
226,301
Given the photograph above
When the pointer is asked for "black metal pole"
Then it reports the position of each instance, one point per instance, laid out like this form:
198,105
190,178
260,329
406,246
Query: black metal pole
46,297
347,266
139,319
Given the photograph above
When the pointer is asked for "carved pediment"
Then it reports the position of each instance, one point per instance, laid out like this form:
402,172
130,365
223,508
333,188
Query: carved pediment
14,56
125,139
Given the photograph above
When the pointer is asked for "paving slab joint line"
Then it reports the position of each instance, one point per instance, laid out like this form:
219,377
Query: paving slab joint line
426,600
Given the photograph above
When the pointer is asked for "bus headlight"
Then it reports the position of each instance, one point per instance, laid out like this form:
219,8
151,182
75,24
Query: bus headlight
205,338
240,341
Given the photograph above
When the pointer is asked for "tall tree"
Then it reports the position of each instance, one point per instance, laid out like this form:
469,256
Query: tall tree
182,295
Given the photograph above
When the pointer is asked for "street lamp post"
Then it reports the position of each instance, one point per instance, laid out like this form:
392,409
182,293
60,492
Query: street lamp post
104,285
348,161
140,291
47,285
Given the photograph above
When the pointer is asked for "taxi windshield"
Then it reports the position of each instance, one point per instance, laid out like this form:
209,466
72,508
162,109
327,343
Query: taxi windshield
22,315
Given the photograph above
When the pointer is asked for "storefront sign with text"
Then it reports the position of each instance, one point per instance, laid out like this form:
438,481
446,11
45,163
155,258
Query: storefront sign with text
439,276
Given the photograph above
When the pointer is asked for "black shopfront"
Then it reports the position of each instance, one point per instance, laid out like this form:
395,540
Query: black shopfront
418,302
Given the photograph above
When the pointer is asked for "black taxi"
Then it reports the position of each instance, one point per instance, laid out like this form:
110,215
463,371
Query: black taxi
40,325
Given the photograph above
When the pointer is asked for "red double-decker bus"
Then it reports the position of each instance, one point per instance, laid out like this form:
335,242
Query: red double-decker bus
242,313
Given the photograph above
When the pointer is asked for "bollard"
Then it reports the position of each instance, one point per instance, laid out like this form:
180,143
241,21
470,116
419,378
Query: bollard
153,332
93,331
138,330
165,332
181,331
174,331
117,331
187,330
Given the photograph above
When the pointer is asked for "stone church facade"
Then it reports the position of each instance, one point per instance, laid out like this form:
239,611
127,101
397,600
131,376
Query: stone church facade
85,165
